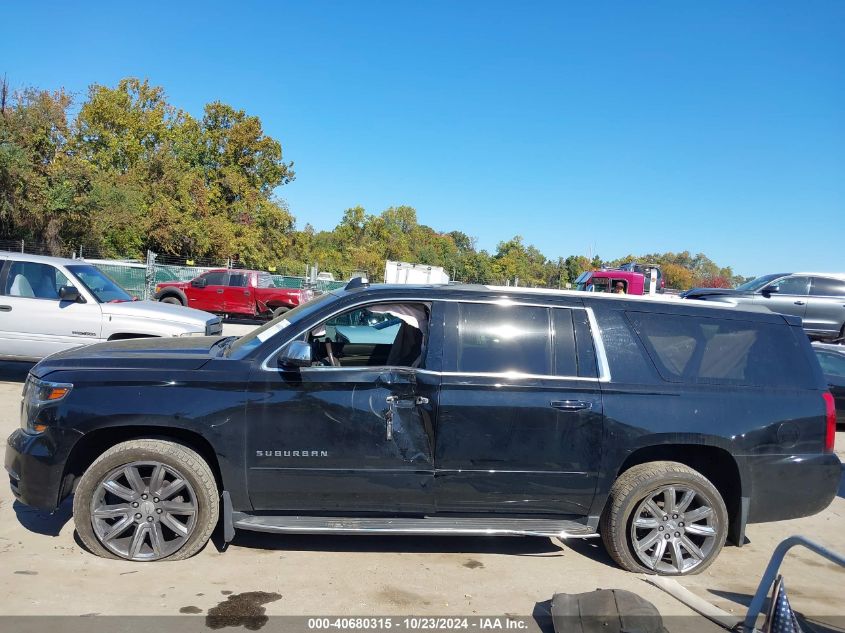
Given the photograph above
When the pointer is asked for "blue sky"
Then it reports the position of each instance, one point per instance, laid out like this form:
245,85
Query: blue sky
715,127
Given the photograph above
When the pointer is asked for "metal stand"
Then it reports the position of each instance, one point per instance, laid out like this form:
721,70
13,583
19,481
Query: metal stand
772,570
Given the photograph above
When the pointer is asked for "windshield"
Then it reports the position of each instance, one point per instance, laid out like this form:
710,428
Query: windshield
98,284
249,342
758,282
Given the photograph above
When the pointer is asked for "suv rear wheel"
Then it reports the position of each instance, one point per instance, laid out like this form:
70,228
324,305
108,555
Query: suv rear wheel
664,518
146,500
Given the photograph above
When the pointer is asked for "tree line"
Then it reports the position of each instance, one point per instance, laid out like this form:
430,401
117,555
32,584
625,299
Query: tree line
128,172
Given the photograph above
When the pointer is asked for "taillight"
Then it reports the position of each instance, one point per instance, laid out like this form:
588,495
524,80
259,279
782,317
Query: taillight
830,416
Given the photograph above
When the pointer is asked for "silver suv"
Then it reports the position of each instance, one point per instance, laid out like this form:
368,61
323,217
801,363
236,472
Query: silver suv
818,298
48,305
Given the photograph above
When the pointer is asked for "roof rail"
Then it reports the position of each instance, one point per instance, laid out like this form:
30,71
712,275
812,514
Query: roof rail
357,282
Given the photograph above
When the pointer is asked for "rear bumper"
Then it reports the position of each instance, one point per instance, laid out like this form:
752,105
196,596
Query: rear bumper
36,464
793,486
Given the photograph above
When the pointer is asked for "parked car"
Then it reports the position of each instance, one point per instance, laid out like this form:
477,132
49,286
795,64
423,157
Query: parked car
244,293
832,360
664,427
818,298
49,304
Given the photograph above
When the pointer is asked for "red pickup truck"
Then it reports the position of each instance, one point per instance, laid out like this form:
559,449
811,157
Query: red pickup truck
243,293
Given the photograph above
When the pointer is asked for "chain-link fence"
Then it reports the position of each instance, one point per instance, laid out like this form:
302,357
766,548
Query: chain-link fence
139,278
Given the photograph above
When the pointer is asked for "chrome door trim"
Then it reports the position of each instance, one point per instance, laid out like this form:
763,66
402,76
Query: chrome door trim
598,342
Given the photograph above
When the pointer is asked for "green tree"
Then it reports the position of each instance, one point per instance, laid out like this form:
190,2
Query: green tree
43,187
181,186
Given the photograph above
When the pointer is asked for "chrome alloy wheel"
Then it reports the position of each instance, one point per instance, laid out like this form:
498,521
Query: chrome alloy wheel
144,511
674,529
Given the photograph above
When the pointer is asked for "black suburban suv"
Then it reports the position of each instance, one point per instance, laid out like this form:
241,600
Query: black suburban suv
663,426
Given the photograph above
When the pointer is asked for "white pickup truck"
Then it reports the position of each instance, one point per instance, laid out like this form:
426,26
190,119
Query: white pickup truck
49,304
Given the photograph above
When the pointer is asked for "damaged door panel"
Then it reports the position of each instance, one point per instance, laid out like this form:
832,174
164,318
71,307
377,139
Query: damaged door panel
342,439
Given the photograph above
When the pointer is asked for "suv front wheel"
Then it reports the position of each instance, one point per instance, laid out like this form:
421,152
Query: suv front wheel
146,500
664,518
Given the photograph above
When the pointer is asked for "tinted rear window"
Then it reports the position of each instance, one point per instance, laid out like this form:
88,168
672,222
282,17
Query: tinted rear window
827,287
722,351
496,339
238,280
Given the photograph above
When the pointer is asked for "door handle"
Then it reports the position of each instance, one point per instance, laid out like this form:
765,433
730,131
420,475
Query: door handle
220,291
394,402
405,402
799,303
5,308
388,418
571,405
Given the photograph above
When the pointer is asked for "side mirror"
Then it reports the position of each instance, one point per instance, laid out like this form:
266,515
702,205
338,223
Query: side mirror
769,290
297,354
199,282
69,293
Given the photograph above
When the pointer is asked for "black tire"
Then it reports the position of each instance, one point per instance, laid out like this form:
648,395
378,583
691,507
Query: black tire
630,500
173,300
280,311
201,489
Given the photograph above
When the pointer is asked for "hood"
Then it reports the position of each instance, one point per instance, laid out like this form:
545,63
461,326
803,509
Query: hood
700,293
158,311
183,353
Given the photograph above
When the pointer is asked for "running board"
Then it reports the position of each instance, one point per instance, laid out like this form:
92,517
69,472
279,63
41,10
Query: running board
493,526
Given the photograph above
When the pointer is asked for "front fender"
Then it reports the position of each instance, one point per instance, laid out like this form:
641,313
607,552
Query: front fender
204,405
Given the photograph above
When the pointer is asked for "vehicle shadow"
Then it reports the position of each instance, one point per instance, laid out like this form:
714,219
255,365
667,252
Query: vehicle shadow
841,492
14,371
591,548
524,546
41,521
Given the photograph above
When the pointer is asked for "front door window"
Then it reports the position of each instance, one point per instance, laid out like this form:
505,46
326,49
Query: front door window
793,286
383,335
35,281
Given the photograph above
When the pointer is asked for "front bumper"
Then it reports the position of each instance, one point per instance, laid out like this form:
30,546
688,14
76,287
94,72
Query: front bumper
36,465
794,486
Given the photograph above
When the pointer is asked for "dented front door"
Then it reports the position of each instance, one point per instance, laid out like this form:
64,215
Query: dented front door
330,439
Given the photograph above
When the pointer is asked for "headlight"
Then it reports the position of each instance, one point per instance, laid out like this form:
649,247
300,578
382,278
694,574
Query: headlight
192,334
37,395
